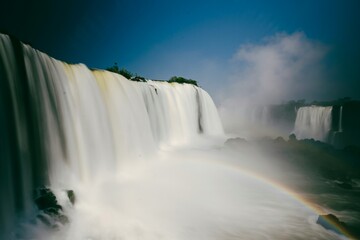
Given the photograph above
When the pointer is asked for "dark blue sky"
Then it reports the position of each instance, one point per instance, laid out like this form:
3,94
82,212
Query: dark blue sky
195,39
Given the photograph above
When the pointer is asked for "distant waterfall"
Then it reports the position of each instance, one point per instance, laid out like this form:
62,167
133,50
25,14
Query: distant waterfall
63,123
340,119
313,122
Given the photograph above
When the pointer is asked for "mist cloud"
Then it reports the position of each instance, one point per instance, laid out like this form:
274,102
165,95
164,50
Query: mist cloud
280,68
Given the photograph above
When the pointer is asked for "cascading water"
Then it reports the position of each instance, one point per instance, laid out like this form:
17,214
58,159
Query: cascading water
64,123
336,136
340,119
119,145
313,122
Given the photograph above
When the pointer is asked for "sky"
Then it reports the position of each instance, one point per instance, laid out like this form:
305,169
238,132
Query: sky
278,49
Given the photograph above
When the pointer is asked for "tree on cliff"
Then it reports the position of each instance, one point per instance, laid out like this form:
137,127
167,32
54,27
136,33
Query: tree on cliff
115,68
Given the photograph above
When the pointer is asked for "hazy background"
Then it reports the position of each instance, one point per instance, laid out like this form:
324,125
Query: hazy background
308,49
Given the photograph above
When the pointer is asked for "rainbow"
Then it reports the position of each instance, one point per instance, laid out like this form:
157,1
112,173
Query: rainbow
289,192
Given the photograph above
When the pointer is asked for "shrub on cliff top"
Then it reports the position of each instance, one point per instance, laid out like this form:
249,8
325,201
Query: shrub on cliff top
182,80
122,71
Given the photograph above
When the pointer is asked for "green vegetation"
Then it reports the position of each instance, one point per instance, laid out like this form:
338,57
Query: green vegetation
302,103
122,71
138,79
126,73
340,101
182,80
295,104
134,77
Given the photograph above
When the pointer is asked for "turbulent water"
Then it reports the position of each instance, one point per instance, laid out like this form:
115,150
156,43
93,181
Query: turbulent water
87,122
313,122
145,159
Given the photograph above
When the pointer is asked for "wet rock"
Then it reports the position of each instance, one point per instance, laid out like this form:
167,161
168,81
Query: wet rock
50,211
46,200
331,222
71,196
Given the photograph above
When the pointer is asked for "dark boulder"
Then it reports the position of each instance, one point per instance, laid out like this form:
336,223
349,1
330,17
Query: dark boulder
46,200
331,222
50,211
71,196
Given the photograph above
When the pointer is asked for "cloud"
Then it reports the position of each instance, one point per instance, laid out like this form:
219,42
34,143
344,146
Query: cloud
280,68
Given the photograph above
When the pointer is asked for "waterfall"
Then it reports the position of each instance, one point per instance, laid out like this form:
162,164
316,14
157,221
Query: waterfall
62,123
340,119
260,115
313,122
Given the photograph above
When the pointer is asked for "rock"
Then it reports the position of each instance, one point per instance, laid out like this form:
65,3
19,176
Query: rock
46,200
71,196
50,211
331,222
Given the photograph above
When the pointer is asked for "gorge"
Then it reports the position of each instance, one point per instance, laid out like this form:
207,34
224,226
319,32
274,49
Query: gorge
145,160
